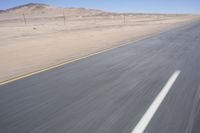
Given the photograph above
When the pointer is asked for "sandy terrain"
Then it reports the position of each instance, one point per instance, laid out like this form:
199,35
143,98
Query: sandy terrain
46,39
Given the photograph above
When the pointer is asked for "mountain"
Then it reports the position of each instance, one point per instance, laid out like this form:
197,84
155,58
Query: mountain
28,6
38,9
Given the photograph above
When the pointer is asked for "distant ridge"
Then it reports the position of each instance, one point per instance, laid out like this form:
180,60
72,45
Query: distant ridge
41,5
35,9
38,9
27,5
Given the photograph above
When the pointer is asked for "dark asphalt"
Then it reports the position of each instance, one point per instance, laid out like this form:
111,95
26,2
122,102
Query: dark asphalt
110,92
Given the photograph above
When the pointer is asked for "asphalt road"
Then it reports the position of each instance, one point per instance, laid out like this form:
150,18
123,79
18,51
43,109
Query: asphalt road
110,92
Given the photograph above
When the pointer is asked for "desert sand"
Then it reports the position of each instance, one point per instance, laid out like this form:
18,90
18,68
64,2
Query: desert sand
35,36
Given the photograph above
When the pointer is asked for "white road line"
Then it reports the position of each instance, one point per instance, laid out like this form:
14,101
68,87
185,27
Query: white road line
143,123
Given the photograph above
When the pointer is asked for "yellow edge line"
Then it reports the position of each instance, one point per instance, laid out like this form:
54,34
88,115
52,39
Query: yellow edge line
67,62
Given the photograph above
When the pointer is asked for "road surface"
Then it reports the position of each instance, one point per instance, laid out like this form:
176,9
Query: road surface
111,92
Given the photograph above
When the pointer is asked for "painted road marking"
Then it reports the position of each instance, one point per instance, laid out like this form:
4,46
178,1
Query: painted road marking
74,60
144,121
71,61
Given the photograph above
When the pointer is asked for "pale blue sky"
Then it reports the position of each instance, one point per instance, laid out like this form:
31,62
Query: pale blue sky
143,6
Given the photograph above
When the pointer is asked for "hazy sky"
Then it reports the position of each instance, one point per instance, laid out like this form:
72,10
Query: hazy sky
143,6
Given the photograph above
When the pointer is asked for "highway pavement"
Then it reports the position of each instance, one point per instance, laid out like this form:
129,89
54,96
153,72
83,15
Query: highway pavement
111,92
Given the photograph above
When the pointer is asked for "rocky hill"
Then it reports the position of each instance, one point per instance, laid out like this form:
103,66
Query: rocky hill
37,9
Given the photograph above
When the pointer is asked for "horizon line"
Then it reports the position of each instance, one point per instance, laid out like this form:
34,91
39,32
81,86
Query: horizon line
111,11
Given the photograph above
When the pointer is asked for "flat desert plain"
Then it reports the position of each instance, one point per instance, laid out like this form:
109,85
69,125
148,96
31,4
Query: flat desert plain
35,36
